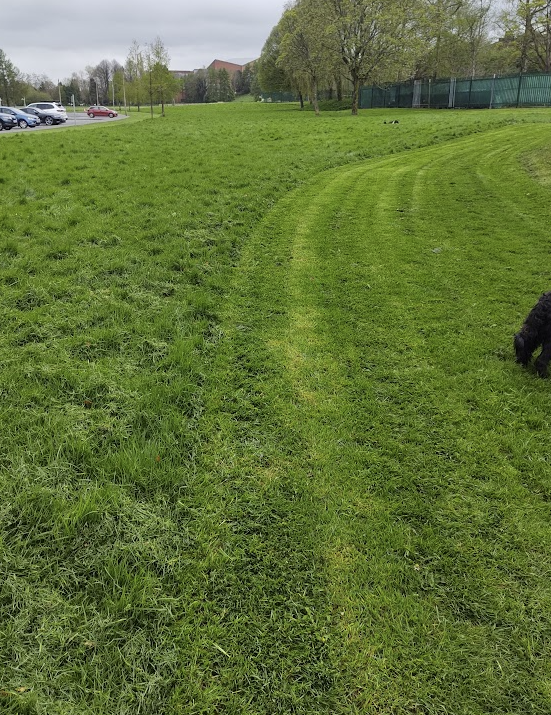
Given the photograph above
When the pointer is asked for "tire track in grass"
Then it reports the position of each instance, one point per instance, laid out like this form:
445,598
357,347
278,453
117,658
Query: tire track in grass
364,506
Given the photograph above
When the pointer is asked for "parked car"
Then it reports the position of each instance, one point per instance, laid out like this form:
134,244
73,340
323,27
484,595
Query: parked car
23,119
7,121
44,117
99,111
54,109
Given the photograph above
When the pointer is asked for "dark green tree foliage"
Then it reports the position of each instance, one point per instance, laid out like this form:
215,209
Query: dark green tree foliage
255,85
70,90
9,86
195,87
102,74
271,77
219,87
238,83
243,79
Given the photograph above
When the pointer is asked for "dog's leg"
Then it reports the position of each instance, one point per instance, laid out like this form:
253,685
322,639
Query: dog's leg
543,359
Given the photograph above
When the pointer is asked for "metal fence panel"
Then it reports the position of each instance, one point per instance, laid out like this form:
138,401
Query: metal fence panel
506,92
533,90
405,96
440,94
481,93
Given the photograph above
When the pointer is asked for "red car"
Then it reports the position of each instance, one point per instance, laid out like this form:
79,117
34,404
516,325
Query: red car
98,111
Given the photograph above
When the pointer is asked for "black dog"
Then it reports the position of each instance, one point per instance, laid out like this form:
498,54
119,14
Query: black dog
535,331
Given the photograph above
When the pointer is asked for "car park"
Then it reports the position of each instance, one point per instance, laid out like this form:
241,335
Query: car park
7,121
97,110
54,109
23,119
44,117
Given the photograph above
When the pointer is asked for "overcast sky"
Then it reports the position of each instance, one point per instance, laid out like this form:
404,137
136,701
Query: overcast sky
56,37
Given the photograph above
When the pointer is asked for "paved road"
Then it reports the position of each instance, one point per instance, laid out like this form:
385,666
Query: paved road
73,119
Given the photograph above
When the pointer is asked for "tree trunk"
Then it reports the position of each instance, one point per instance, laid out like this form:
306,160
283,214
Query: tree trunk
547,40
314,90
355,91
525,42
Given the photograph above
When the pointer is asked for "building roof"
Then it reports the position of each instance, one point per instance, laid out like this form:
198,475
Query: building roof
231,67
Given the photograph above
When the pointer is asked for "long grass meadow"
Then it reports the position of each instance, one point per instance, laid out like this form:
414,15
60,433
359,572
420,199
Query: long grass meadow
264,445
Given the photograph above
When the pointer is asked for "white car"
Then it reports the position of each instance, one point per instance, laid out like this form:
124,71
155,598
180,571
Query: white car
55,109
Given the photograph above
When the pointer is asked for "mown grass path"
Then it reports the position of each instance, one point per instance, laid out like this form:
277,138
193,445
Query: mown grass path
377,465
264,445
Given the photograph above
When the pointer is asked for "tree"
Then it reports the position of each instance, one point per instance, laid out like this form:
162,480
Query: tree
243,79
195,87
119,86
456,38
226,92
8,80
70,89
219,87
304,50
162,84
474,23
375,37
529,22
271,77
102,75
135,72
255,85
439,27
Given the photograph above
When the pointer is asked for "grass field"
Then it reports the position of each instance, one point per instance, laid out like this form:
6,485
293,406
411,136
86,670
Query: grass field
265,448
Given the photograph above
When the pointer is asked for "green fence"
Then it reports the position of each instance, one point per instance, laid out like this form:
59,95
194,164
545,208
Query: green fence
278,97
525,90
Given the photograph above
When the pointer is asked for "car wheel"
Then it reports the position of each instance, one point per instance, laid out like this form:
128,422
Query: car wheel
49,121
91,115
111,115
23,124
1,126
